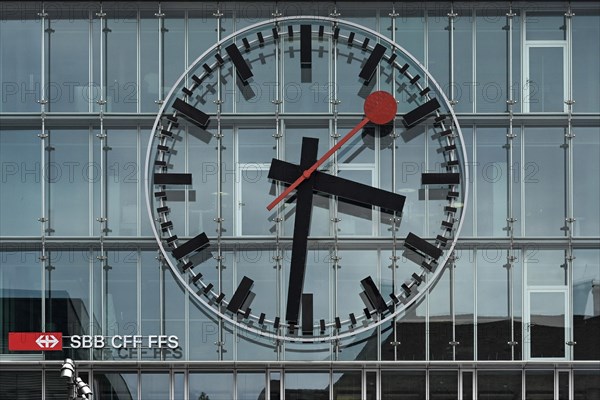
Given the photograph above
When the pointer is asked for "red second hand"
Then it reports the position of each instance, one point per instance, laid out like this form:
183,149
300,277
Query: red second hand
380,108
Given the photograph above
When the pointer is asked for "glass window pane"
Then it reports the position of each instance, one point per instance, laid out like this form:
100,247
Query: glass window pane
493,315
20,294
122,181
149,79
210,386
586,69
120,284
150,302
443,385
545,85
20,385
115,385
539,385
491,65
586,185
347,385
543,177
439,49
586,304
586,384
493,385
155,386
546,328
410,31
20,44
396,385
121,62
545,26
306,90
67,49
68,175
440,319
463,62
68,295
546,267
302,385
464,309
492,181
20,187
250,385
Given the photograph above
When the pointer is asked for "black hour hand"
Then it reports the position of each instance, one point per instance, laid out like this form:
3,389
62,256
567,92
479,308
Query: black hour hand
334,185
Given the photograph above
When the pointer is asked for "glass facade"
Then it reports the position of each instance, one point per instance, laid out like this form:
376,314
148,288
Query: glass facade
515,314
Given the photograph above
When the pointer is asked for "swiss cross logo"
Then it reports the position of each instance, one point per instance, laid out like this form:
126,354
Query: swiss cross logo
35,341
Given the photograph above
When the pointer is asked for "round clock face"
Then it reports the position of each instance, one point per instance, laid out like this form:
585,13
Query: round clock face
341,171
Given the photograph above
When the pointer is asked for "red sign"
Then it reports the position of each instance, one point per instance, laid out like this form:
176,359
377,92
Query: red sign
34,341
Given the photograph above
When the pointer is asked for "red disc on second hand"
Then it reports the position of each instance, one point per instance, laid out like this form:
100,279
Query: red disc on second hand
380,107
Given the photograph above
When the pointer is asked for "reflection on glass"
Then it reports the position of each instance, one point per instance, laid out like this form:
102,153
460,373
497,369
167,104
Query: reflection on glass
250,385
210,386
303,385
120,282
586,304
121,386
463,62
493,385
493,313
464,309
546,328
20,384
149,79
586,384
20,291
440,319
20,187
67,295
347,385
396,385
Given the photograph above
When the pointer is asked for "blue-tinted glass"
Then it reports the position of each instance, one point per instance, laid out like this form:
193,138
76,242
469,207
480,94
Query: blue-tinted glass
543,177
121,61
174,313
149,78
493,314
174,49
586,186
545,267
20,45
150,301
67,294
120,285
586,68
440,319
67,49
250,385
410,31
545,26
545,89
155,386
68,176
122,180
20,183
492,181
463,62
491,65
306,89
439,50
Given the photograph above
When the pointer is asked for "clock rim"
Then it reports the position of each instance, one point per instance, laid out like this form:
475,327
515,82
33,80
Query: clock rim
435,276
